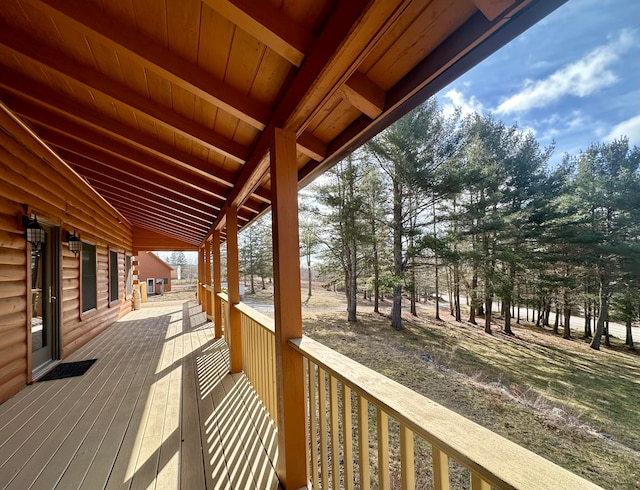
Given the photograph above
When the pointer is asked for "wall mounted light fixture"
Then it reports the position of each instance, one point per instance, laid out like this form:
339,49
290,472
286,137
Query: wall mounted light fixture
34,233
75,245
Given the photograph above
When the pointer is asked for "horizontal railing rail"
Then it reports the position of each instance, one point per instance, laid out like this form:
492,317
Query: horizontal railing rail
492,460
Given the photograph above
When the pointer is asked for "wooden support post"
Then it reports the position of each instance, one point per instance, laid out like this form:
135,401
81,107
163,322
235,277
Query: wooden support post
207,279
217,286
291,467
233,279
200,278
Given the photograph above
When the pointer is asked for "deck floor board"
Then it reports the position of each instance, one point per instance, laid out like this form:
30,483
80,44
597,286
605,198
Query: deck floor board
158,409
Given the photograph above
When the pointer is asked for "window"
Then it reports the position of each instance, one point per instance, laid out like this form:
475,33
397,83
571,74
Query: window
89,280
113,276
128,272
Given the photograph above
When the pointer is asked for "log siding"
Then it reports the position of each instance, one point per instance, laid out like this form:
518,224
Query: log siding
34,180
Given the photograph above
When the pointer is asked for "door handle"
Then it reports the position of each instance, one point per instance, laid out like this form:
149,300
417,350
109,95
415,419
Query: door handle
51,297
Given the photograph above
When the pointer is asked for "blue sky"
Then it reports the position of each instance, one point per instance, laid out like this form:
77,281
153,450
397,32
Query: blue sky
573,78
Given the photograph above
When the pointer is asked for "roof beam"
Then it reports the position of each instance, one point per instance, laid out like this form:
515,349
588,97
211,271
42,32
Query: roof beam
320,72
268,25
364,95
311,146
95,81
92,23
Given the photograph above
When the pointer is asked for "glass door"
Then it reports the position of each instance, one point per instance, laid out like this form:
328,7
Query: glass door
44,299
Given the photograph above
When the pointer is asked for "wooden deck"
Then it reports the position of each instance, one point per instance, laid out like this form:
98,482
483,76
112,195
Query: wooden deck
157,410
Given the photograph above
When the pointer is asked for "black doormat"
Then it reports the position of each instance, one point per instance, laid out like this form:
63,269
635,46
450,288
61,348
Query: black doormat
68,370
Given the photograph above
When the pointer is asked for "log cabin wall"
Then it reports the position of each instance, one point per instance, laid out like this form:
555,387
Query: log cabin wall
34,181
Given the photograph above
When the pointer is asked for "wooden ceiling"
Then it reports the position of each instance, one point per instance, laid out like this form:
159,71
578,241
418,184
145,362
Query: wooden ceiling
166,107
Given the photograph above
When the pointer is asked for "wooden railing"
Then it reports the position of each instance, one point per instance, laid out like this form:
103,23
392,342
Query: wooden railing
258,355
365,428
492,460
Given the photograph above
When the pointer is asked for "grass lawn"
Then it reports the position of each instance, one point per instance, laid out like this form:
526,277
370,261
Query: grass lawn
577,407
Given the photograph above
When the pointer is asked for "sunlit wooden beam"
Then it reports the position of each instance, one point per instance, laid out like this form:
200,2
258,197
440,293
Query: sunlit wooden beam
268,25
95,81
92,23
364,95
311,146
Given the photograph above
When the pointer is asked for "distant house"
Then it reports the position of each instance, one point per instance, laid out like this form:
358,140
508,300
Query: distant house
154,272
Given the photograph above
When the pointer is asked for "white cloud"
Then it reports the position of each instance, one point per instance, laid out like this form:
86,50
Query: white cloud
629,128
580,78
457,100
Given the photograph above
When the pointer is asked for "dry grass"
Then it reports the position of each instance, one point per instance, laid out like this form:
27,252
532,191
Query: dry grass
561,399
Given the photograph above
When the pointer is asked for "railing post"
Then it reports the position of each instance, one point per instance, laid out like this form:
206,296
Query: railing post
217,285
207,278
233,279
200,279
292,466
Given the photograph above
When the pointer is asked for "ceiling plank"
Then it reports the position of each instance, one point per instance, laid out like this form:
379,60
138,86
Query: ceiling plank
268,25
36,93
93,80
144,239
75,138
364,95
79,139
149,54
89,165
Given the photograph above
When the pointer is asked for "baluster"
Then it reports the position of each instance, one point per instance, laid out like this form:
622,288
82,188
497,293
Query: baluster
363,443
335,432
384,480
440,469
407,466
313,421
322,415
347,437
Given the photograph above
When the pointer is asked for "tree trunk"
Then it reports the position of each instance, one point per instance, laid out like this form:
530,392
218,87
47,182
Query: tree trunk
603,308
488,300
587,320
566,333
607,334
557,322
474,298
456,291
414,289
396,305
629,339
309,270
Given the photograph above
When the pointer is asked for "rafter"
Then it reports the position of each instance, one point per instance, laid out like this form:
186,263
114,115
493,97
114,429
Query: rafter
364,95
493,8
94,168
28,91
268,25
339,41
92,23
311,146
96,81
